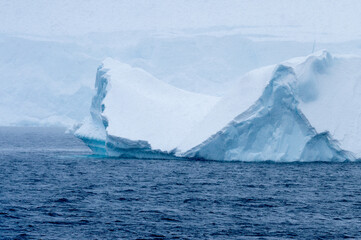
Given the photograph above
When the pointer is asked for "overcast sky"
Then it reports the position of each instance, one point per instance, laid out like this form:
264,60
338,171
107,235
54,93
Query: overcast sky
73,17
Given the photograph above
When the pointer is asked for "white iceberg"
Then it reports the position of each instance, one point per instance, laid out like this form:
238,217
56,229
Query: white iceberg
134,114
304,109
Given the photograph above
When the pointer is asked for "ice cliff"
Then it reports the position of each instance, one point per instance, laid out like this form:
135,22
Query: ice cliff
304,109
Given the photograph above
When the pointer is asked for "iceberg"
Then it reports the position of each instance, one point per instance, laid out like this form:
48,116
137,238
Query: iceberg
134,114
303,109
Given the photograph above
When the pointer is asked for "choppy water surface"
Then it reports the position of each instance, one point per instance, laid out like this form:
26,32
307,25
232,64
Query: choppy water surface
51,189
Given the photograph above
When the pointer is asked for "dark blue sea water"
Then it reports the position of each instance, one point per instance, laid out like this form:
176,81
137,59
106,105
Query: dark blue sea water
51,188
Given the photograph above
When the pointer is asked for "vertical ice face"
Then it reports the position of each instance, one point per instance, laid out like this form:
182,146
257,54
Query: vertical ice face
92,130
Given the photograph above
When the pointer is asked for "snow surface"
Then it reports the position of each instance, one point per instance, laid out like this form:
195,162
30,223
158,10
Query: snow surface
150,109
304,109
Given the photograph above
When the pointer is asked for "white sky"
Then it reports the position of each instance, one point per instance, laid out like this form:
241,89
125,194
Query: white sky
73,17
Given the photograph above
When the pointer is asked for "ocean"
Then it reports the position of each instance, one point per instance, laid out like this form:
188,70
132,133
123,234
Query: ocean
52,187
